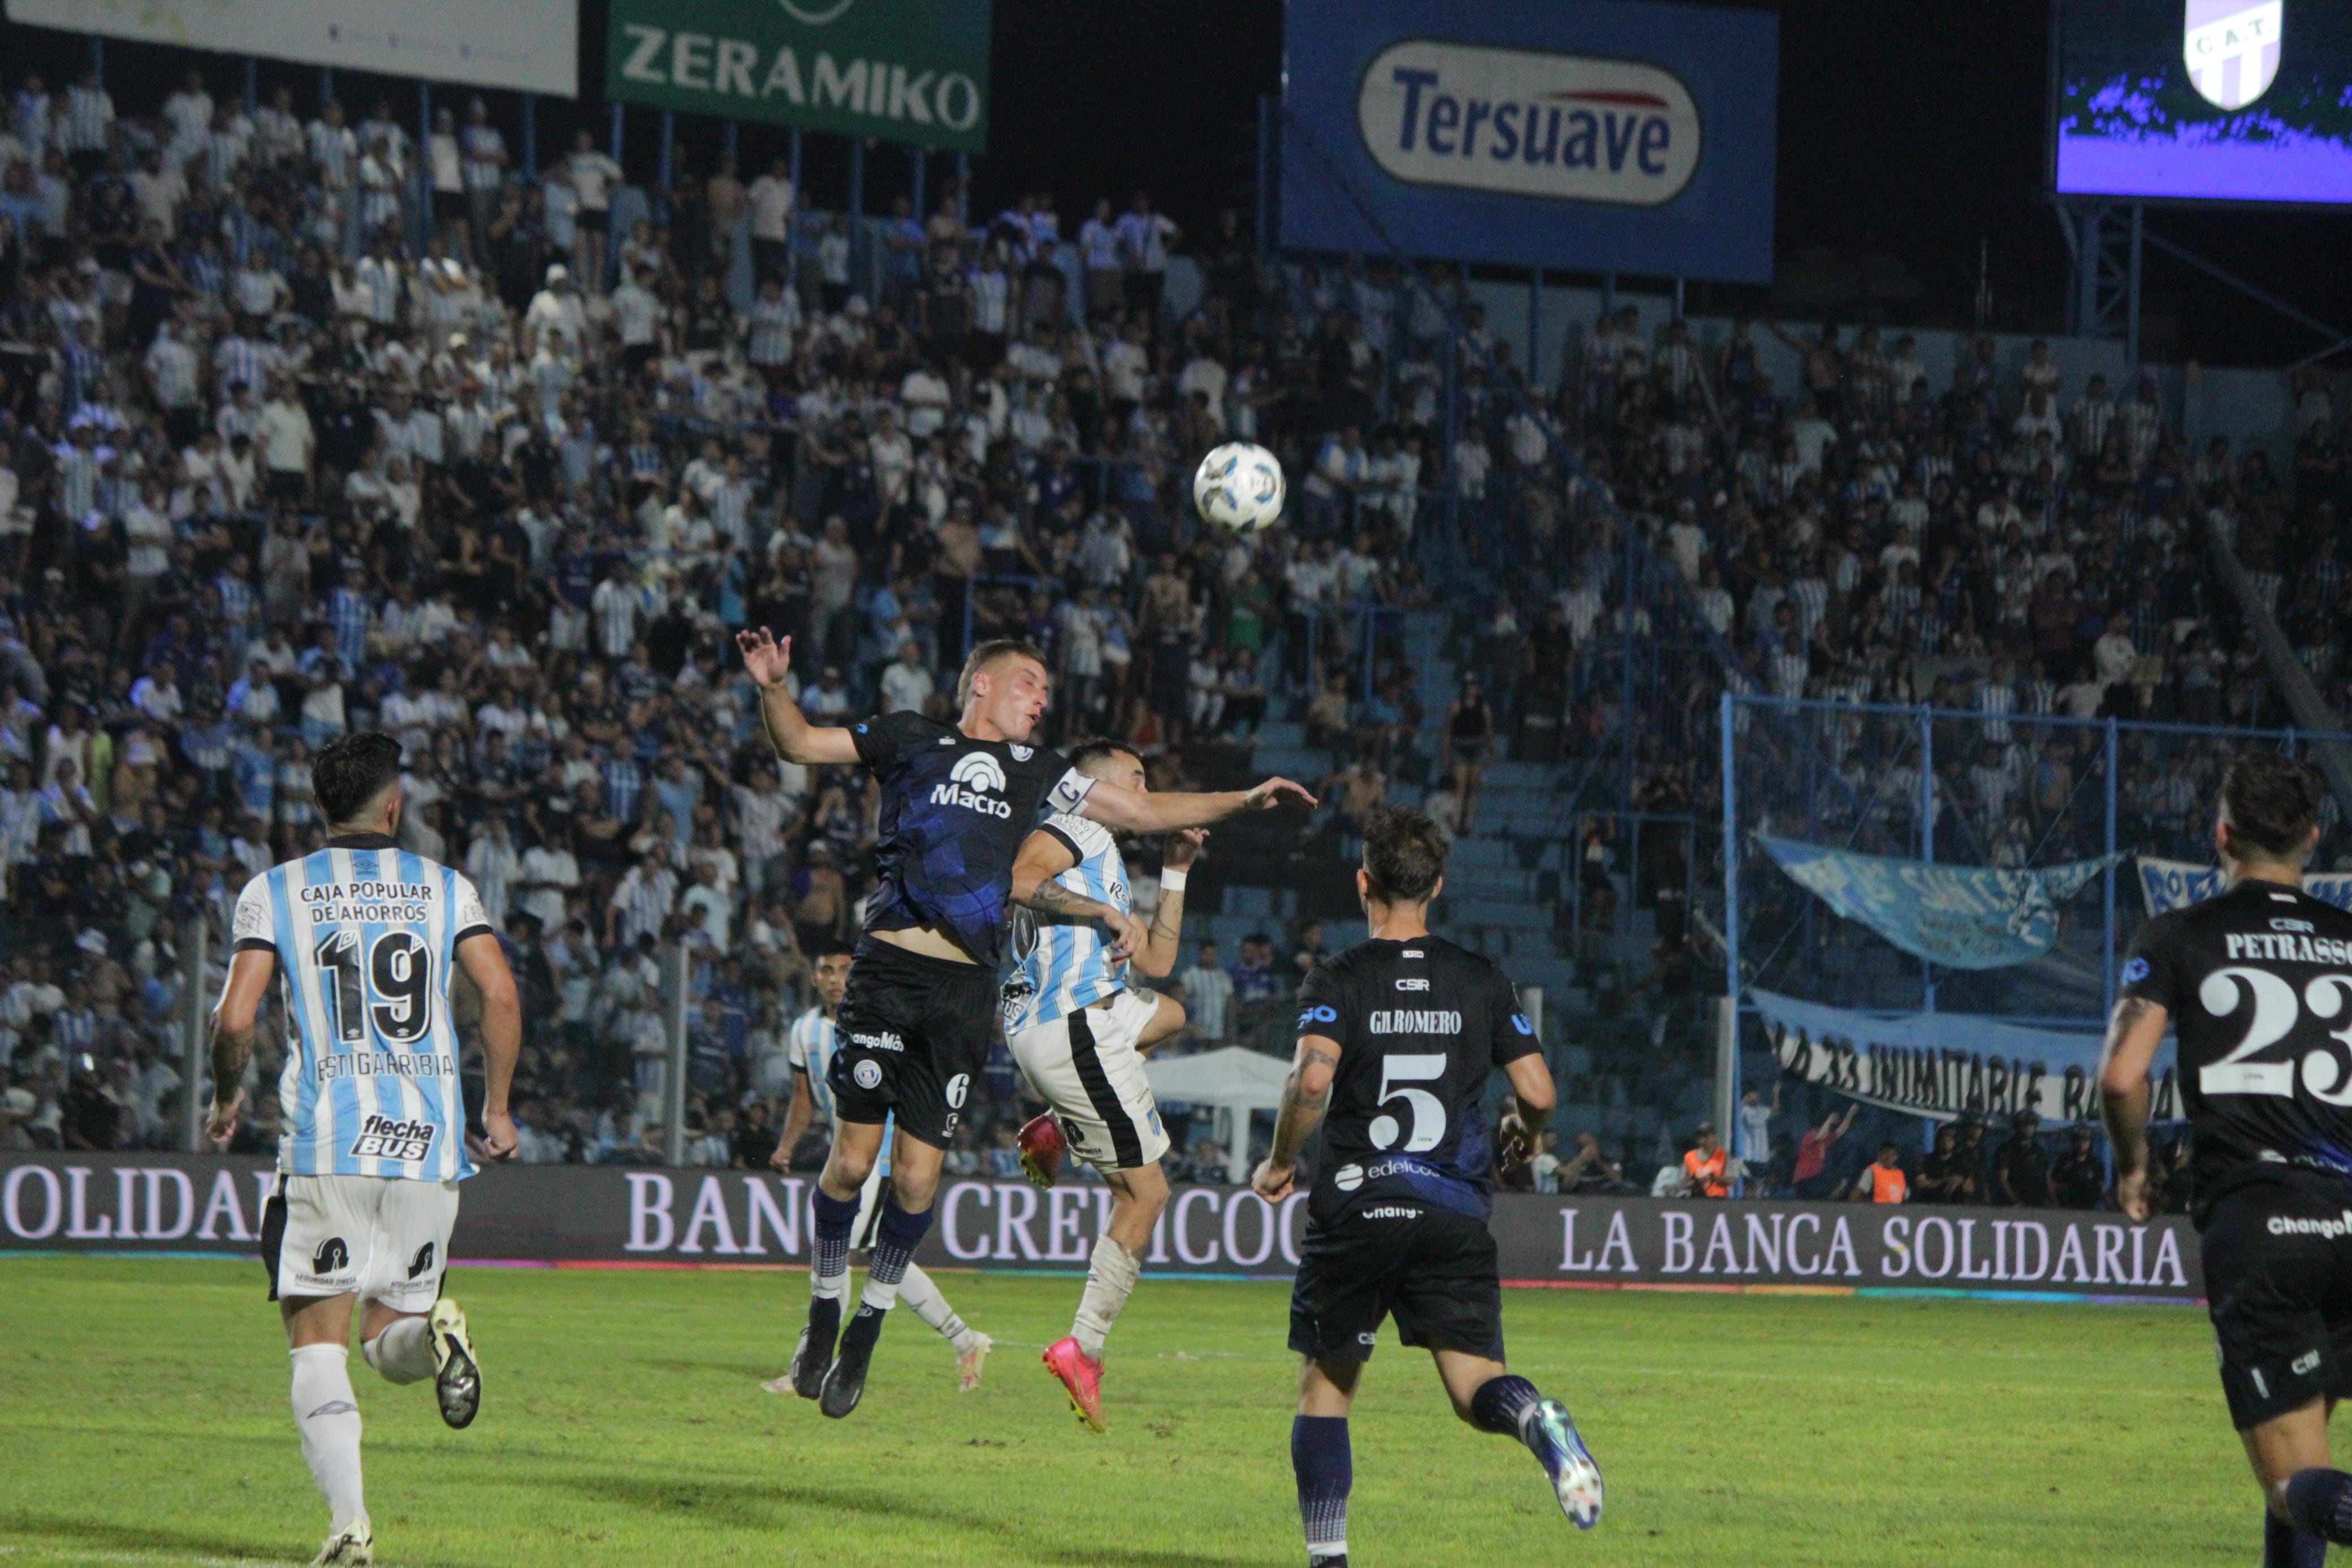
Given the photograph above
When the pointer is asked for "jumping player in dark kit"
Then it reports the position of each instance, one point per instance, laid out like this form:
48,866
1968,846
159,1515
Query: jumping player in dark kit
2257,984
958,802
1397,1037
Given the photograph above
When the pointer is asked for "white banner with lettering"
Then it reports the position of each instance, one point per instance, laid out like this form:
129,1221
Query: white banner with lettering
532,46
2177,884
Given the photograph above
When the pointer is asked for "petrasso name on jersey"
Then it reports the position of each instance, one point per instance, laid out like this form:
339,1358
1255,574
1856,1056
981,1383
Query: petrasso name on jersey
2289,949
1414,1020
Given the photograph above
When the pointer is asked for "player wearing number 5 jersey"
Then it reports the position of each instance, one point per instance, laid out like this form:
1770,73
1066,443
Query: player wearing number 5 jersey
365,938
1397,1039
2257,985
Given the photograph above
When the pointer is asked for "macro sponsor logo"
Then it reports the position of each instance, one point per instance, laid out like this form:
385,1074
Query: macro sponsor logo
1527,122
970,781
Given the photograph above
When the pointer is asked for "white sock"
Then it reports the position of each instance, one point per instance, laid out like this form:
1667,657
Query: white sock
328,1420
402,1352
1111,1274
919,1292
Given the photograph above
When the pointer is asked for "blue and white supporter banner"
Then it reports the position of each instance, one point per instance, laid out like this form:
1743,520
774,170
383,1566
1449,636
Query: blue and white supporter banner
1961,916
2177,884
1940,1065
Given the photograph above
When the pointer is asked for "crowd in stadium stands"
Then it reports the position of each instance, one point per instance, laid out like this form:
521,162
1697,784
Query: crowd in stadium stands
294,441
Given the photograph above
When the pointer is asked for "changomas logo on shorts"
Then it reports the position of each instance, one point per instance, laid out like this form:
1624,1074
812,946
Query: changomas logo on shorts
884,1041
381,1137
2334,1228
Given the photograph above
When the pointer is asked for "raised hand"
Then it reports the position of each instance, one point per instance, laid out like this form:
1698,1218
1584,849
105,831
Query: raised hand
1274,792
765,660
1180,849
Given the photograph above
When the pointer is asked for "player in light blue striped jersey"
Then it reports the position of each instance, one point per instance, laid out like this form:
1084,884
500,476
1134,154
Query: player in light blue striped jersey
809,1046
365,938
1079,1031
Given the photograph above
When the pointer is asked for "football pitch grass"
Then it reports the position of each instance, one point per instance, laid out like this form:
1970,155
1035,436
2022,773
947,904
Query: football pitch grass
143,1419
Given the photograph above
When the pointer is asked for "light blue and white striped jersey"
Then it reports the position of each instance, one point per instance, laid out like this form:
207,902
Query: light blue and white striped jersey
1060,968
366,935
809,1048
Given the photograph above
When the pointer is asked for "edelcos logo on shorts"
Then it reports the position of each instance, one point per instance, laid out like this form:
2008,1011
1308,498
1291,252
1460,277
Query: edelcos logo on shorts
383,1138
974,777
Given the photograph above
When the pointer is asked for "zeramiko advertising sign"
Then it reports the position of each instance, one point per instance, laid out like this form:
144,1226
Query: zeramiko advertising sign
902,70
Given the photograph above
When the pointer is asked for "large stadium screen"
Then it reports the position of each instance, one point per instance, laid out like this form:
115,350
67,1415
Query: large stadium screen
2224,101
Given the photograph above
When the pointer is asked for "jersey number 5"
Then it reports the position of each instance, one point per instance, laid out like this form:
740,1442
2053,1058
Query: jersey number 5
1427,1111
2274,1014
399,973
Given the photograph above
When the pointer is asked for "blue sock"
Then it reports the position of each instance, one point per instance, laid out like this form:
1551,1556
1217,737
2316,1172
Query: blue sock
894,1248
829,1259
1501,1402
1326,1469
2320,1503
2284,1546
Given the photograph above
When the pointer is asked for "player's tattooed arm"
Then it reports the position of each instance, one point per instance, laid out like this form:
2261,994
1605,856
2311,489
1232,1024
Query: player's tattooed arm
2134,1030
235,1024
1305,1095
1045,857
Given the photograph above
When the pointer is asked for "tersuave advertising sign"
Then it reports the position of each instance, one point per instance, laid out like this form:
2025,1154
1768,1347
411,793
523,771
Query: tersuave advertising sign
1570,133
672,1219
902,70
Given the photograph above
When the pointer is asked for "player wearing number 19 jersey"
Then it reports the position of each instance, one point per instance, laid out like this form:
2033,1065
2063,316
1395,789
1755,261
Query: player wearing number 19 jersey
1397,1039
2257,985
365,937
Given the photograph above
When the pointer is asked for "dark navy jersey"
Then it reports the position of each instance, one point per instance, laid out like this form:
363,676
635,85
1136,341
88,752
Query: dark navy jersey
1420,1025
2258,984
955,812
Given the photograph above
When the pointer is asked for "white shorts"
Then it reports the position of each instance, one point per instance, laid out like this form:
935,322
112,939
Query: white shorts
382,1238
1086,1067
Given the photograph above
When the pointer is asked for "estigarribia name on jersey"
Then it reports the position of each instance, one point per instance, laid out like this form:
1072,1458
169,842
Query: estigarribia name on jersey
1421,1024
2258,984
366,936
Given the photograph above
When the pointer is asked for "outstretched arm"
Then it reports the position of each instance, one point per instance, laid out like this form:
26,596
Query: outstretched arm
2133,1032
1045,856
766,662
1305,1095
1145,812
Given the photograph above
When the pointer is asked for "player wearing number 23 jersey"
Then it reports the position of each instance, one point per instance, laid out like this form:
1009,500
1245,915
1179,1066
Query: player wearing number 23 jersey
2257,985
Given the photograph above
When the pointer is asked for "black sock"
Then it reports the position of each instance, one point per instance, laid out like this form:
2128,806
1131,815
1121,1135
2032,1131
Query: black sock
824,1317
2284,1546
1326,1468
1502,1403
2320,1503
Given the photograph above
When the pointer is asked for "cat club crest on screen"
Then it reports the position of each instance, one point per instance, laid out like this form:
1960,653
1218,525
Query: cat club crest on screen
1239,486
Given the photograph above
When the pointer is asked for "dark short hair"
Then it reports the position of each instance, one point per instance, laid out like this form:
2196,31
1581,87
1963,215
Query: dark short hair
351,772
1404,854
1087,753
832,948
2271,801
992,653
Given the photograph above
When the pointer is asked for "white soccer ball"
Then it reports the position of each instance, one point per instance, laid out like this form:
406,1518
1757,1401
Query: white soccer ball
1239,487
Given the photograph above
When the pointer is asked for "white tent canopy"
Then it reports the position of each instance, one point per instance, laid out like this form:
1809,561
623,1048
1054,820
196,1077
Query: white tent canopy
1230,1079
